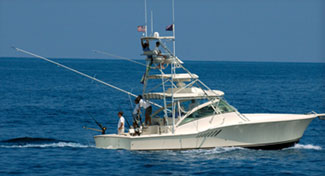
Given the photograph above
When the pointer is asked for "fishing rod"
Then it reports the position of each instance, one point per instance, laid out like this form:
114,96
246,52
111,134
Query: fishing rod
127,122
80,73
100,125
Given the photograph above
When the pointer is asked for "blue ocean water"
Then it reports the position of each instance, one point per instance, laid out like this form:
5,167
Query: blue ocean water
44,107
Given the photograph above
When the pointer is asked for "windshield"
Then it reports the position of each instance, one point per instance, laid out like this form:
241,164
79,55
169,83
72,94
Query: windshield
205,111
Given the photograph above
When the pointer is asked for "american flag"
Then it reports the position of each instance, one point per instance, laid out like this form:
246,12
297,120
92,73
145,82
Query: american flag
141,28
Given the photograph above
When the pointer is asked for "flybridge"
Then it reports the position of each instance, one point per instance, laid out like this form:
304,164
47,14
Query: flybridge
155,36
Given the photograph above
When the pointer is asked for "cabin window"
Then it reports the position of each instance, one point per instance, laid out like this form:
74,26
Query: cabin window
224,107
205,111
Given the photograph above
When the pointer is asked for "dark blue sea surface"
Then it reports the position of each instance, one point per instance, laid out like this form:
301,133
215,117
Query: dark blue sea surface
44,107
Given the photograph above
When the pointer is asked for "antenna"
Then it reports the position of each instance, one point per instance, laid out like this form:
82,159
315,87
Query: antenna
174,43
151,23
145,17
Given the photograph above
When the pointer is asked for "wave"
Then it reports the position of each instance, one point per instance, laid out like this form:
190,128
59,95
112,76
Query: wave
216,150
31,142
50,145
223,150
306,146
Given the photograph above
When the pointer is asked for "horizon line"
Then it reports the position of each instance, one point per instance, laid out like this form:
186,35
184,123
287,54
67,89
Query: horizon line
230,60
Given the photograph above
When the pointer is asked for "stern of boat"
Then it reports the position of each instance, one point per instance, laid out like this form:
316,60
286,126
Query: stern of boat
113,141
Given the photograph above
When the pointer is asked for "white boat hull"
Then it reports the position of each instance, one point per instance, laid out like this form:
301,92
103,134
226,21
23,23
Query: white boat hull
272,134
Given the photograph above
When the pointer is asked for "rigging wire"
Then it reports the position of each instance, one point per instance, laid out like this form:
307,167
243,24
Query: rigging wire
119,57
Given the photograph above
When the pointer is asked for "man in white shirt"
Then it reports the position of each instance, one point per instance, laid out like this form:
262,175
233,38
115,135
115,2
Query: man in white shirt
148,109
120,126
157,52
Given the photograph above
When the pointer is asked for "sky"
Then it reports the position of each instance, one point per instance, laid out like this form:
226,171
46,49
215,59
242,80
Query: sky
216,30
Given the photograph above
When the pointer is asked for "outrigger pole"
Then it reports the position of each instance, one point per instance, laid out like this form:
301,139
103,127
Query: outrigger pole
80,73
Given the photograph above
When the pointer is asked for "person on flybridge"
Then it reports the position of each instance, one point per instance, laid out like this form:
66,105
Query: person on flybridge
153,56
148,109
120,125
157,52
146,48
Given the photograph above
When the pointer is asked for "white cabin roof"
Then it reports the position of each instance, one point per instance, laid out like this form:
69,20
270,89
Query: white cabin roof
187,93
181,77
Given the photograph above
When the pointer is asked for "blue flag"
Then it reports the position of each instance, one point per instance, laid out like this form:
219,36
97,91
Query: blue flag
170,27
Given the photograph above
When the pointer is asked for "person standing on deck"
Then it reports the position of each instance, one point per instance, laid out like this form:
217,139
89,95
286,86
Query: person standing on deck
135,114
120,125
148,109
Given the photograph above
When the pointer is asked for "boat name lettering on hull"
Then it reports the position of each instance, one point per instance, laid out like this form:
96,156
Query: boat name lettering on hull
209,133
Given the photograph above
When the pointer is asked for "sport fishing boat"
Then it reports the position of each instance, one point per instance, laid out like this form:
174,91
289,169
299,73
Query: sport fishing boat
188,114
